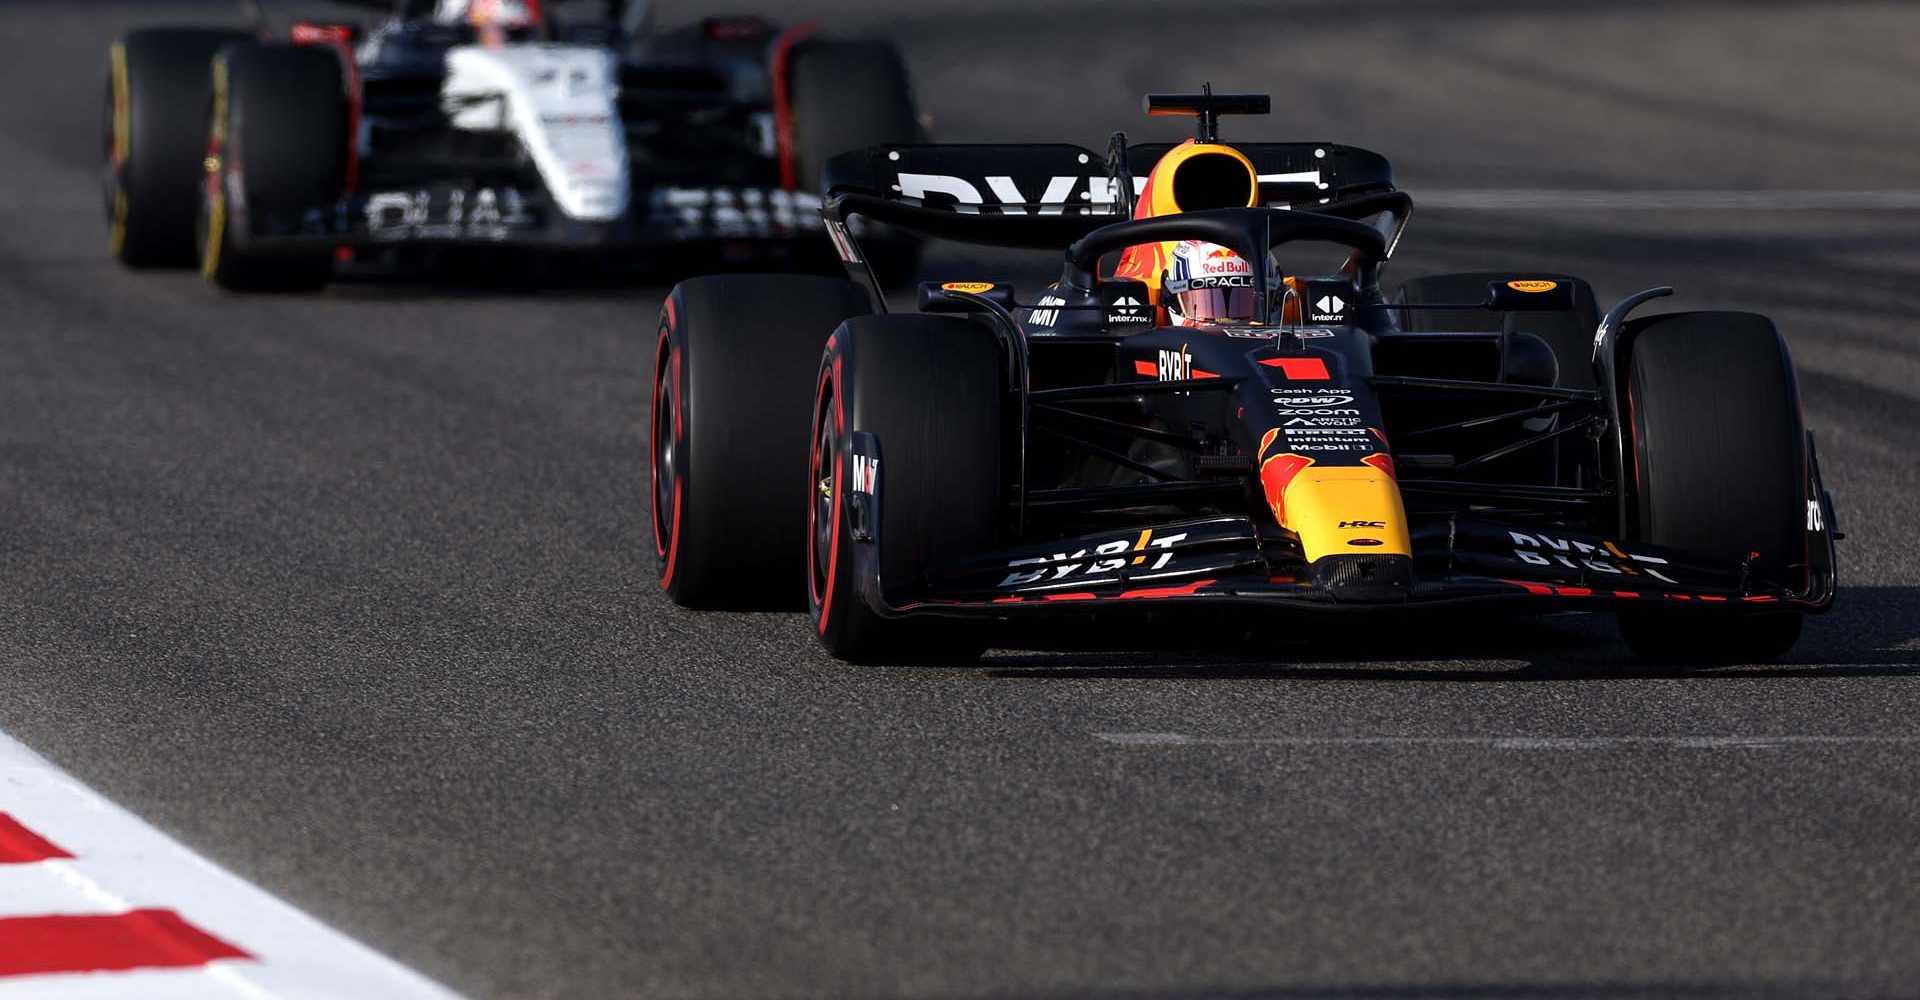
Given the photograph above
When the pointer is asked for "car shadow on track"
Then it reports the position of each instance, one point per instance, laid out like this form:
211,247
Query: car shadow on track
1872,632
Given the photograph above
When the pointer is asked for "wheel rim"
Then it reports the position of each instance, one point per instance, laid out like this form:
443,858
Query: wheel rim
826,459
210,222
665,475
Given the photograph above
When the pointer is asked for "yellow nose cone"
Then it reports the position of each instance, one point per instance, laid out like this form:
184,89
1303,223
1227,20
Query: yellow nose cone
1344,510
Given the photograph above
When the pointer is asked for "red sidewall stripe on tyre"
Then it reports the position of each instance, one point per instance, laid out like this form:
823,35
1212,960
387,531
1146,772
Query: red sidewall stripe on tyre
670,550
653,444
783,100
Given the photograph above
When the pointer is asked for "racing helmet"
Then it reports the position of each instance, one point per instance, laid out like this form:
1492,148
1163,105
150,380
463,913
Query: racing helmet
489,13
1207,284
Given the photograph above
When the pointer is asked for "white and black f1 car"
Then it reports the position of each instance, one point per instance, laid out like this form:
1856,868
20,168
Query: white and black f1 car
1473,439
581,130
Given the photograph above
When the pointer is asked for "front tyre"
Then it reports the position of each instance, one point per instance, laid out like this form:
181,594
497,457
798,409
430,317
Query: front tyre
276,151
929,389
1719,467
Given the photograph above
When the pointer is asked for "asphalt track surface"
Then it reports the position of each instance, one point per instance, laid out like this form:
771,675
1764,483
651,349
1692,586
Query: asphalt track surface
353,593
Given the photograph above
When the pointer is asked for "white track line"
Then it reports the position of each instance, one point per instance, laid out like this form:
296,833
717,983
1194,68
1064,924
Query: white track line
1507,742
122,863
1770,200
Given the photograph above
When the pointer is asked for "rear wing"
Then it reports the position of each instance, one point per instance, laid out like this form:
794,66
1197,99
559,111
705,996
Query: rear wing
1040,196
1046,196
1005,194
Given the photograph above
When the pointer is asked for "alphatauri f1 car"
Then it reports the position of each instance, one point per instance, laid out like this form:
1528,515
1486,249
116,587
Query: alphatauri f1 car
1473,439
488,124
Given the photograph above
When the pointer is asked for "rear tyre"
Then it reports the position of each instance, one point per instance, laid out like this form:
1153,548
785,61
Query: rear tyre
1719,460
929,388
1569,334
158,84
276,153
850,95
732,387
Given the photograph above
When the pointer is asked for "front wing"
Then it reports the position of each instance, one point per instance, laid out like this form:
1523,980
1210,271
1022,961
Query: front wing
1224,562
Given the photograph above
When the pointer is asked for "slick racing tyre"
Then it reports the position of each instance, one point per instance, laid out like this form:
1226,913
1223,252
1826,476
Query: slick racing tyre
159,81
1719,467
850,95
1569,334
276,149
929,389
732,378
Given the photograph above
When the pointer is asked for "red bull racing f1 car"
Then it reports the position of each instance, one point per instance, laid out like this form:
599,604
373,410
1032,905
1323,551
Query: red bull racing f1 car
575,127
1204,426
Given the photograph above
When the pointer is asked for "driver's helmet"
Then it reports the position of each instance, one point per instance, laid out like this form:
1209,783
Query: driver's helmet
508,14
1207,284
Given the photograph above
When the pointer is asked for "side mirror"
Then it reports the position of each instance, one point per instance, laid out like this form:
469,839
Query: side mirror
1128,302
1530,295
934,296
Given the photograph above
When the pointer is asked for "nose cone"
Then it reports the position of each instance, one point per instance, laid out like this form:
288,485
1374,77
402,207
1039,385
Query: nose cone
1342,510
1364,579
1351,524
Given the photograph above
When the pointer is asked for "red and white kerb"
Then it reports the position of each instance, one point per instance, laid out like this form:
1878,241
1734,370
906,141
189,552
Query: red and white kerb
96,904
